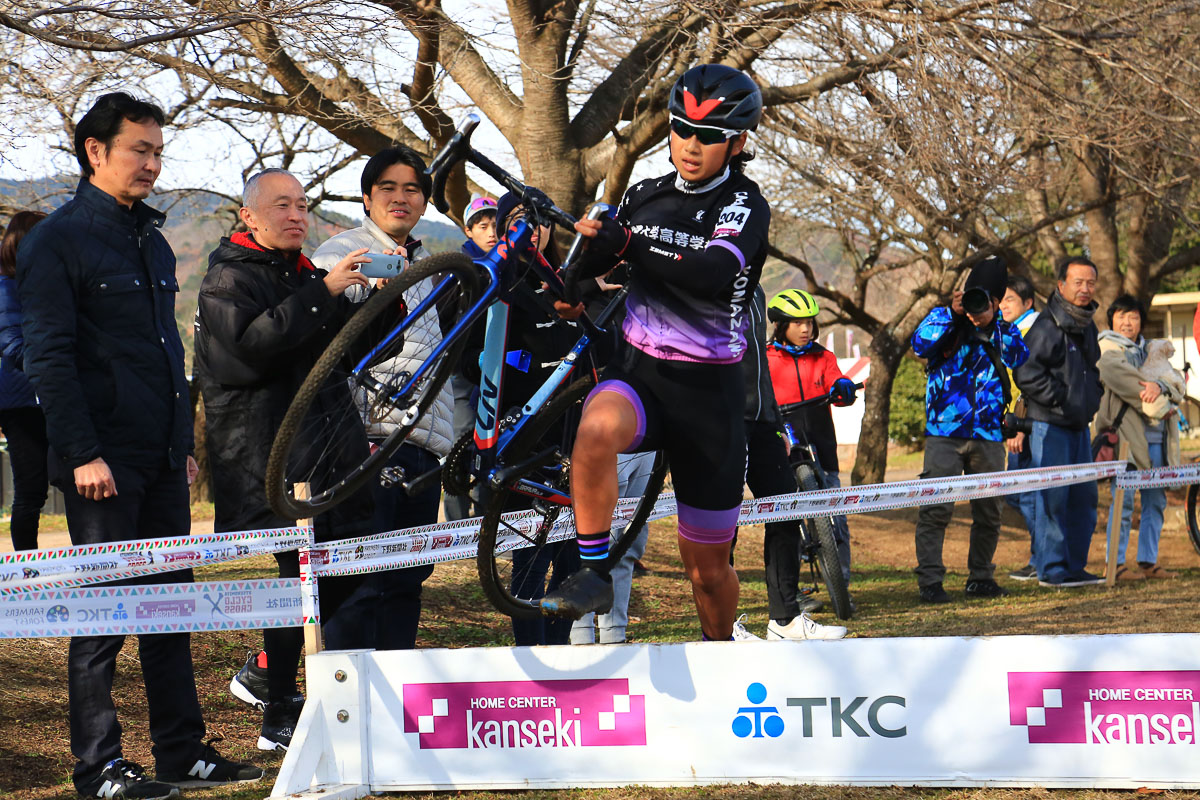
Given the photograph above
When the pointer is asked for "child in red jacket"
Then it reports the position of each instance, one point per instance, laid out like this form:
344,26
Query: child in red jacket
801,369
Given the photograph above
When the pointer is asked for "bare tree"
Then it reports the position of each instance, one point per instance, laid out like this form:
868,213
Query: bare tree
987,139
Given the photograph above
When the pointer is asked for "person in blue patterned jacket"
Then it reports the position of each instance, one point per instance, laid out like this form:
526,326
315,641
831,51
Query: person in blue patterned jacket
967,347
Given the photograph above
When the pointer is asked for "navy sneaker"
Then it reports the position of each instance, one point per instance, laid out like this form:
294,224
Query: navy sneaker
582,593
1025,573
209,768
125,779
934,593
250,683
985,588
1074,580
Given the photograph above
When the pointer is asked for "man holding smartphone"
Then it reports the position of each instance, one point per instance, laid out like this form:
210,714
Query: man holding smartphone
384,610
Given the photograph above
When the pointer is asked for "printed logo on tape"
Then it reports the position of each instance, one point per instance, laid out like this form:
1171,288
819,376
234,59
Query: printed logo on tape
1152,707
500,715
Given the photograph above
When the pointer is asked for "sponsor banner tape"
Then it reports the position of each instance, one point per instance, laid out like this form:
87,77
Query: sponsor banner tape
64,567
158,608
431,544
1160,477
436,543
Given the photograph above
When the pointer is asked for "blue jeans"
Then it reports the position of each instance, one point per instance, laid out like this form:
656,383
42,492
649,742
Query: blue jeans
1025,502
1154,503
1065,516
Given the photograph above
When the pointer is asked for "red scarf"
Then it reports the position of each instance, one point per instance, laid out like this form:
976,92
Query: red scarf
244,239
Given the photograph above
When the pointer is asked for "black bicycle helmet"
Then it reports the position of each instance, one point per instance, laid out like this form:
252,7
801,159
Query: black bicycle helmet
717,96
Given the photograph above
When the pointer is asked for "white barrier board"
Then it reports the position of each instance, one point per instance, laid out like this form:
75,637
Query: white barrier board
1068,711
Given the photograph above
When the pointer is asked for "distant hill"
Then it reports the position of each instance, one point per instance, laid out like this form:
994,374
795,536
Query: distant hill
195,224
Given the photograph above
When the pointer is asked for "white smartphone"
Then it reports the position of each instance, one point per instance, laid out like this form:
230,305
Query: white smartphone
382,266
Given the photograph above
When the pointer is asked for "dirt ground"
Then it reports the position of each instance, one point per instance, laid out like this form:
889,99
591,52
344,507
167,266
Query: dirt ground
35,761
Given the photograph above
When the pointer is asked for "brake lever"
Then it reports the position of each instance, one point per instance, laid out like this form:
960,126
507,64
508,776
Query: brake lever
570,268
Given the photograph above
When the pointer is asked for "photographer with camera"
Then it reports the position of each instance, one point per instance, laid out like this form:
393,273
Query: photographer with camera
1061,386
967,347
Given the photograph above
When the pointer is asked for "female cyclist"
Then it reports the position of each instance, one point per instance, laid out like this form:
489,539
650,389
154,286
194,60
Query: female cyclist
695,240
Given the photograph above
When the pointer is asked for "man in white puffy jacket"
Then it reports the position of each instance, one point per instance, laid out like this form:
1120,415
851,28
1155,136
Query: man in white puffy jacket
383,613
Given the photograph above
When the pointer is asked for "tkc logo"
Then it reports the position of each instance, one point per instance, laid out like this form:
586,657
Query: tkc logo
1149,707
758,720
496,715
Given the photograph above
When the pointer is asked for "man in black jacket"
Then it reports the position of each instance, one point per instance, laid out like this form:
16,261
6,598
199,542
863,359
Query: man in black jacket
1061,386
265,314
97,285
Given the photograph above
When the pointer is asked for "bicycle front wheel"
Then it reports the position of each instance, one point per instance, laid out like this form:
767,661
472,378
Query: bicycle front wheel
1193,525
377,377
820,530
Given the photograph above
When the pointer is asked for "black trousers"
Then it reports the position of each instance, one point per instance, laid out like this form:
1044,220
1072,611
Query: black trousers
25,430
768,473
151,503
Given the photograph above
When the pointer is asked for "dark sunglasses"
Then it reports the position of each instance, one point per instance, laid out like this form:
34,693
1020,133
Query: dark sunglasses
705,135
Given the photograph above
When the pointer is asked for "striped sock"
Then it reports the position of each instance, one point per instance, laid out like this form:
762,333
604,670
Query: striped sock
593,548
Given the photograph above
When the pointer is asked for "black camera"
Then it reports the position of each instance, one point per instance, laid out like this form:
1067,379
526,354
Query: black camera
1011,425
976,301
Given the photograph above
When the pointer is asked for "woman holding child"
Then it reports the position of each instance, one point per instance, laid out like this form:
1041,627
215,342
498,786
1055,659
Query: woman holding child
1143,413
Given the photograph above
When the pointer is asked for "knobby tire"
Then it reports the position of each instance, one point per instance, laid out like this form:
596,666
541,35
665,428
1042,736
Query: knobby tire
821,531
279,483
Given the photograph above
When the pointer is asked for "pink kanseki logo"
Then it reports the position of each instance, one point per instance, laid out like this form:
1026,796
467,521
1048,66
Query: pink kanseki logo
1152,707
519,714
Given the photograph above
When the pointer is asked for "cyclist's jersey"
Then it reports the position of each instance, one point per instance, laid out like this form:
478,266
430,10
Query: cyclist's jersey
688,298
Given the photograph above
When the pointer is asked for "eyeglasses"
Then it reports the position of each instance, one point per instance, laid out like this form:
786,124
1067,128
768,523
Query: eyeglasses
706,135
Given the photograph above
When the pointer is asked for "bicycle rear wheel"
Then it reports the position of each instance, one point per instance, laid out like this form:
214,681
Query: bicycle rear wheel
1193,525
377,376
820,530
537,465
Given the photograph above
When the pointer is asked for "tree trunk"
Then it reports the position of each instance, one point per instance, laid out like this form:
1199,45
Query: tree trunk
871,461
1095,184
202,488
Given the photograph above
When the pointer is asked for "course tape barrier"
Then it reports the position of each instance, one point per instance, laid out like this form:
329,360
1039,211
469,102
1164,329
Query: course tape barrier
80,565
159,608
431,544
436,543
1160,477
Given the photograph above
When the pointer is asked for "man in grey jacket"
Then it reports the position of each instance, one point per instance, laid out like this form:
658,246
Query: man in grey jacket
395,192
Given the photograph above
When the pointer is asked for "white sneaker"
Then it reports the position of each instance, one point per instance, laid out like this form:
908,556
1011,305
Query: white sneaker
802,628
740,634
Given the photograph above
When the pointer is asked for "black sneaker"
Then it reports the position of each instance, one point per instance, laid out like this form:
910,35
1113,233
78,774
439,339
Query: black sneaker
121,778
209,768
582,593
279,723
250,683
985,588
934,593
1025,573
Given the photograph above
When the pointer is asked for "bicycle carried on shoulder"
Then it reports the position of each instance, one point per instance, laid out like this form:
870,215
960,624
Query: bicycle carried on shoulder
818,546
514,458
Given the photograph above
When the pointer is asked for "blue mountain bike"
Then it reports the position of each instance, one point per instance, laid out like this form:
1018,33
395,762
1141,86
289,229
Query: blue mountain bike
515,458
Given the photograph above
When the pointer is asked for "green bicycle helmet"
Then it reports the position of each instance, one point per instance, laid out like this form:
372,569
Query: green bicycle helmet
792,304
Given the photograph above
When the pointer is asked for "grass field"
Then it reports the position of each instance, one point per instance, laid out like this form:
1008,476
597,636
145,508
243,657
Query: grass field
35,761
